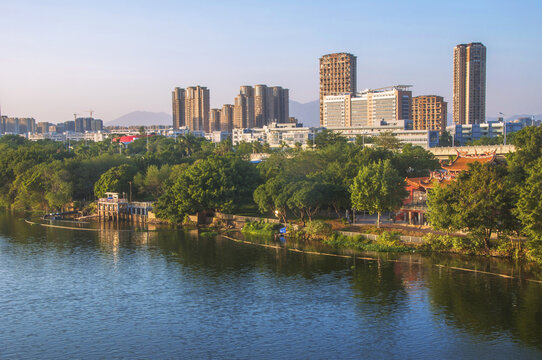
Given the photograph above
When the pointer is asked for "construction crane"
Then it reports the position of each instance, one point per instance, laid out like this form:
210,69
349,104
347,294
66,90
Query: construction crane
75,116
91,112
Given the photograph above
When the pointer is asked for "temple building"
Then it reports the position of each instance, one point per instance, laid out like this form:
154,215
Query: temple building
415,205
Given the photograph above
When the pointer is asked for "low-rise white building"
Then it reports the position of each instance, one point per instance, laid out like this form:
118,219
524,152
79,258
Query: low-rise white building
217,136
399,128
275,134
290,134
95,136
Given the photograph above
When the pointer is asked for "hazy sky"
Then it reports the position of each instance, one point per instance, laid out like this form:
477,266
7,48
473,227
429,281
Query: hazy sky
114,57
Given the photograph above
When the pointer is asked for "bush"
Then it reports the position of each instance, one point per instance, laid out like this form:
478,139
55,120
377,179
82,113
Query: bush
468,244
260,228
389,243
387,239
534,250
318,229
435,242
341,241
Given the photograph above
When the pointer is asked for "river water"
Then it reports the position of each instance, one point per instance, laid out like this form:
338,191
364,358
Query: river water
171,294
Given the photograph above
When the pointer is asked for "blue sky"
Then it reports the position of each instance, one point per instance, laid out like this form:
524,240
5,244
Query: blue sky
61,57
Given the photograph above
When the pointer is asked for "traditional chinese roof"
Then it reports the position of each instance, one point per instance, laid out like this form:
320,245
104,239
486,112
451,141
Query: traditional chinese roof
463,159
435,177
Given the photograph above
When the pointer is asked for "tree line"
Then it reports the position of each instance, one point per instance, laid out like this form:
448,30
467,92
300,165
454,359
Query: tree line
186,174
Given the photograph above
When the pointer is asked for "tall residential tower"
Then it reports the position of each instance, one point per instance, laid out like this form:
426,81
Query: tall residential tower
337,77
469,96
197,106
177,102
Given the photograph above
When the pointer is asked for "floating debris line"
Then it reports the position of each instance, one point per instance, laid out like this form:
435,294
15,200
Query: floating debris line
378,259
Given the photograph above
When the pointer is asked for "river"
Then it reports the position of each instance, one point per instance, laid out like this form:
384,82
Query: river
171,294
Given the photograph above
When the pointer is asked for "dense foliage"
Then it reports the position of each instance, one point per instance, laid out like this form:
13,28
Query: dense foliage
186,175
502,198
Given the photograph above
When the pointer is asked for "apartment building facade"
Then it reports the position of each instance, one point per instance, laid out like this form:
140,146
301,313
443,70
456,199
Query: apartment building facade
429,112
337,76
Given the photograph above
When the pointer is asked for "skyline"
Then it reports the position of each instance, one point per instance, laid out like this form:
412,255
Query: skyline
67,57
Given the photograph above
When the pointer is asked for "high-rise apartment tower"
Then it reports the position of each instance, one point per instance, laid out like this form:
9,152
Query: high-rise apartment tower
337,77
260,105
197,106
178,108
469,92
226,118
214,120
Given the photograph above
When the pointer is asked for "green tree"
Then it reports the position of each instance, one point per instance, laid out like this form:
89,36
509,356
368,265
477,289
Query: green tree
214,183
327,137
115,179
441,212
481,201
307,197
149,185
528,142
529,207
378,188
414,161
272,196
387,140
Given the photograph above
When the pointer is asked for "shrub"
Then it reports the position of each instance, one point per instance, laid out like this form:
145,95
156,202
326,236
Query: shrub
342,241
469,244
260,228
318,229
435,242
388,244
387,239
534,250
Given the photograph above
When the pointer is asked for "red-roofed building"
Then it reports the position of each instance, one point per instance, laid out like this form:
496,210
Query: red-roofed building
414,206
126,139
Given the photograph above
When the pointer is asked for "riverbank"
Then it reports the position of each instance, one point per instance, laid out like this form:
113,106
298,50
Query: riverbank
391,240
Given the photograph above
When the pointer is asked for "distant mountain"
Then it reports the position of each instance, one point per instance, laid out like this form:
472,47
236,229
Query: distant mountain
145,118
308,113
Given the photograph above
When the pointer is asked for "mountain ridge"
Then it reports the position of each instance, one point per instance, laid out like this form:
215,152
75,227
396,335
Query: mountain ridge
141,118
306,113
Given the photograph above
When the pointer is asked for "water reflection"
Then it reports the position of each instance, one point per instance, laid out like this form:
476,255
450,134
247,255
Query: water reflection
213,297
487,305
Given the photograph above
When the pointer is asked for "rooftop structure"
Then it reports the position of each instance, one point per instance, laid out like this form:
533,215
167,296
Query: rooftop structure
414,207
